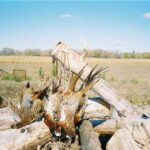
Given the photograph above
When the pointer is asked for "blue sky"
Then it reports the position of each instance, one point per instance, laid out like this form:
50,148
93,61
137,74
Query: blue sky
118,26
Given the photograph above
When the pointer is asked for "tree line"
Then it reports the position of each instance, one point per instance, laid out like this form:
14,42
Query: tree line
97,53
26,52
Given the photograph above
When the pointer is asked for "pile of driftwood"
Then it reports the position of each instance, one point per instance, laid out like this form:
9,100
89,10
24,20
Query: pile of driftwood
60,110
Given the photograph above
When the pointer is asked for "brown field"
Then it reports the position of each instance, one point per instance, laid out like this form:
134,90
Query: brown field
131,77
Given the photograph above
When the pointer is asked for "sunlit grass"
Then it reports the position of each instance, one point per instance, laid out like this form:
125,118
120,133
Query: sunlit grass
46,59
129,76
25,59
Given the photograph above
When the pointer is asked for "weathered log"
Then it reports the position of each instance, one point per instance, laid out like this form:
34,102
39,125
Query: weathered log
6,118
74,62
116,124
122,140
133,136
128,133
35,134
111,126
96,108
88,137
106,131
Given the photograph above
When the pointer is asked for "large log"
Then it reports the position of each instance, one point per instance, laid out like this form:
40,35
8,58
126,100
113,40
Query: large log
111,126
133,136
89,138
6,118
119,123
128,133
75,62
96,108
35,134
122,140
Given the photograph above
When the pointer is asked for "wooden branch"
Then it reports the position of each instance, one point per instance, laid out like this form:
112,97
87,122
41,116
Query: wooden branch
133,133
96,109
109,125
128,133
122,140
106,131
132,136
89,138
6,118
116,124
35,134
75,64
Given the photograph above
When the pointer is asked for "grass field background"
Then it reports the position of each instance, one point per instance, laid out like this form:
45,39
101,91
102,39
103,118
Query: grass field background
131,77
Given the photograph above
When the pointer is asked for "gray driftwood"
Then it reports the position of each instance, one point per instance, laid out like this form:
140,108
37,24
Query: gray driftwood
6,118
35,134
96,108
89,138
128,133
31,137
75,62
133,136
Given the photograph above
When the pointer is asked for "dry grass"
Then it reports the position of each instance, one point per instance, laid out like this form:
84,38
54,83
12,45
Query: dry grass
129,76
25,59
117,61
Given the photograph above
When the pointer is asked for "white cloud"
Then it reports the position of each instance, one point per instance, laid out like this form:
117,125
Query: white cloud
67,16
119,43
147,15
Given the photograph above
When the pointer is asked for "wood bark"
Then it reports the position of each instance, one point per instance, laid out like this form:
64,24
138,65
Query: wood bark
6,118
122,140
88,137
116,124
74,62
30,138
133,136
128,133
35,134
96,108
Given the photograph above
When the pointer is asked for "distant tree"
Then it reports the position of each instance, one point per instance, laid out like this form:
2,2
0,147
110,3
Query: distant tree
18,52
33,52
46,52
28,52
97,53
7,51
133,54
37,52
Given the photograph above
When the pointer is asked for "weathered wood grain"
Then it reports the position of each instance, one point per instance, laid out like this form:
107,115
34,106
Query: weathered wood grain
35,134
89,138
74,62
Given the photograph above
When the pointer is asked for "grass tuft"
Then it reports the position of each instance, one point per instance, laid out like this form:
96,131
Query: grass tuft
10,77
135,81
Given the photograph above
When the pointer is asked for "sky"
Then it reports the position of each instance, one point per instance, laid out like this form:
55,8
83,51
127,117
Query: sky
121,26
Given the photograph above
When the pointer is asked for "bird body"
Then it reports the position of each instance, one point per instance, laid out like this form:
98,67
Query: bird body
37,107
